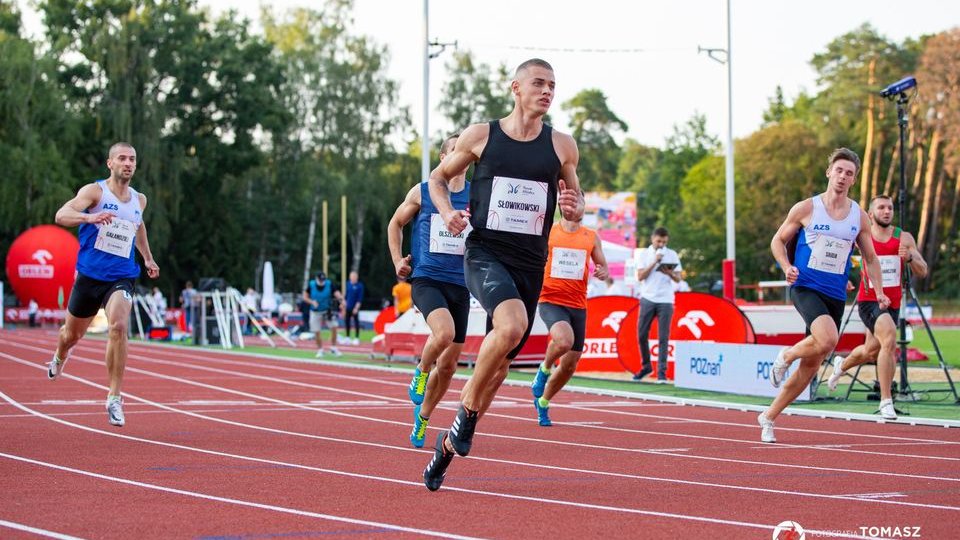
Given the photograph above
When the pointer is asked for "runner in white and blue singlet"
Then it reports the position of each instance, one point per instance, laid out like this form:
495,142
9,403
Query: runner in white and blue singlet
435,269
110,215
826,227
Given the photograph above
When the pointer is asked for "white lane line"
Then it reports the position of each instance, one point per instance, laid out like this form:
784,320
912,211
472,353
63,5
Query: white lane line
492,460
528,419
209,356
509,437
212,357
229,500
538,500
35,530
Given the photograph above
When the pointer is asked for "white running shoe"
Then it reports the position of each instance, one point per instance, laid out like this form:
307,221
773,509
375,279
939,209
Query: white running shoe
55,367
887,410
115,410
779,369
320,353
837,373
356,341
766,428
335,351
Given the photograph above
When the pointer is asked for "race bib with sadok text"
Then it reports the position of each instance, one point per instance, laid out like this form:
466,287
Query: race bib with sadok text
829,254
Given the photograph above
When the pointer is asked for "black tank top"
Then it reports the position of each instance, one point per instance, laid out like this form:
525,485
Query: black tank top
513,196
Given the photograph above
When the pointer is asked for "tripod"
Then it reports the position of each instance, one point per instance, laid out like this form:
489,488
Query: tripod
904,390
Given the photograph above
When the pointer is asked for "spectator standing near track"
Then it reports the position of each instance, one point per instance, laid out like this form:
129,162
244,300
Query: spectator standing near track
33,308
435,270
402,297
659,270
353,299
895,249
187,302
110,215
524,168
826,226
563,307
320,295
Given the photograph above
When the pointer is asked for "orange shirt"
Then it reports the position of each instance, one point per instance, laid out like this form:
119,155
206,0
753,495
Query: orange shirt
403,298
568,267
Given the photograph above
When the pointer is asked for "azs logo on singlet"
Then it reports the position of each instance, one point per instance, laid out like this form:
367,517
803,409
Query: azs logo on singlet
111,206
821,227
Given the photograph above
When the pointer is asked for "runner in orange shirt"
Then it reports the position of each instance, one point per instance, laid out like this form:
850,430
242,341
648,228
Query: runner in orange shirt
563,306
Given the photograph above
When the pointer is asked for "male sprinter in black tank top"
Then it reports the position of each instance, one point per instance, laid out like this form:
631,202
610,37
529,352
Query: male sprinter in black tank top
524,169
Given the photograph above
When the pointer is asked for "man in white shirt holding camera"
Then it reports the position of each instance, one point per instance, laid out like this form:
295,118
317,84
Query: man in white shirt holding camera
658,268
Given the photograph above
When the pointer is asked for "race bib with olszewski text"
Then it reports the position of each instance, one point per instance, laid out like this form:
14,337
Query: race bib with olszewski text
442,241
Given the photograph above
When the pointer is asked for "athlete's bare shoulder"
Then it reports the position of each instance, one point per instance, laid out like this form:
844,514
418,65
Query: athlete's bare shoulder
473,139
566,147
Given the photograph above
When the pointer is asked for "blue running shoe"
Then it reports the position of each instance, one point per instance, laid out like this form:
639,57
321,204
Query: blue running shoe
539,383
419,428
543,413
418,386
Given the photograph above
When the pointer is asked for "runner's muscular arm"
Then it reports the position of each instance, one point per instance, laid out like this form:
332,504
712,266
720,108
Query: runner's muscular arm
570,198
468,148
788,229
910,252
73,212
870,261
599,259
143,245
403,215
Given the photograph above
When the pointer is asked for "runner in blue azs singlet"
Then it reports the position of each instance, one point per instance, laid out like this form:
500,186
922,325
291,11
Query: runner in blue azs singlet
826,227
435,270
524,170
110,215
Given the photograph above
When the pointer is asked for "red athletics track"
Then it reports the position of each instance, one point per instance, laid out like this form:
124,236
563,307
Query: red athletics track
223,446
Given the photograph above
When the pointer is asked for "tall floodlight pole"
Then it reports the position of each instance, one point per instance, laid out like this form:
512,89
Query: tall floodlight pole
729,264
731,234
427,56
425,139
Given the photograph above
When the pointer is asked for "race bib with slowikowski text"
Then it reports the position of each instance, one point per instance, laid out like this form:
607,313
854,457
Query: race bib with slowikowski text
517,205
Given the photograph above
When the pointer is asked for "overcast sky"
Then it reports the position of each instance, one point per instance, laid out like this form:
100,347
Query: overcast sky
660,80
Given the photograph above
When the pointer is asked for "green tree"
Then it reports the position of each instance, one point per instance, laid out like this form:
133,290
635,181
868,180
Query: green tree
659,201
777,167
475,92
593,125
347,112
37,134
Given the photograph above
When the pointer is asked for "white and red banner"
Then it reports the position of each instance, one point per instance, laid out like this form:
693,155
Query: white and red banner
612,342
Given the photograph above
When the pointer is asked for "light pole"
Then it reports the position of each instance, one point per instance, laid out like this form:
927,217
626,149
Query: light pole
427,56
729,264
